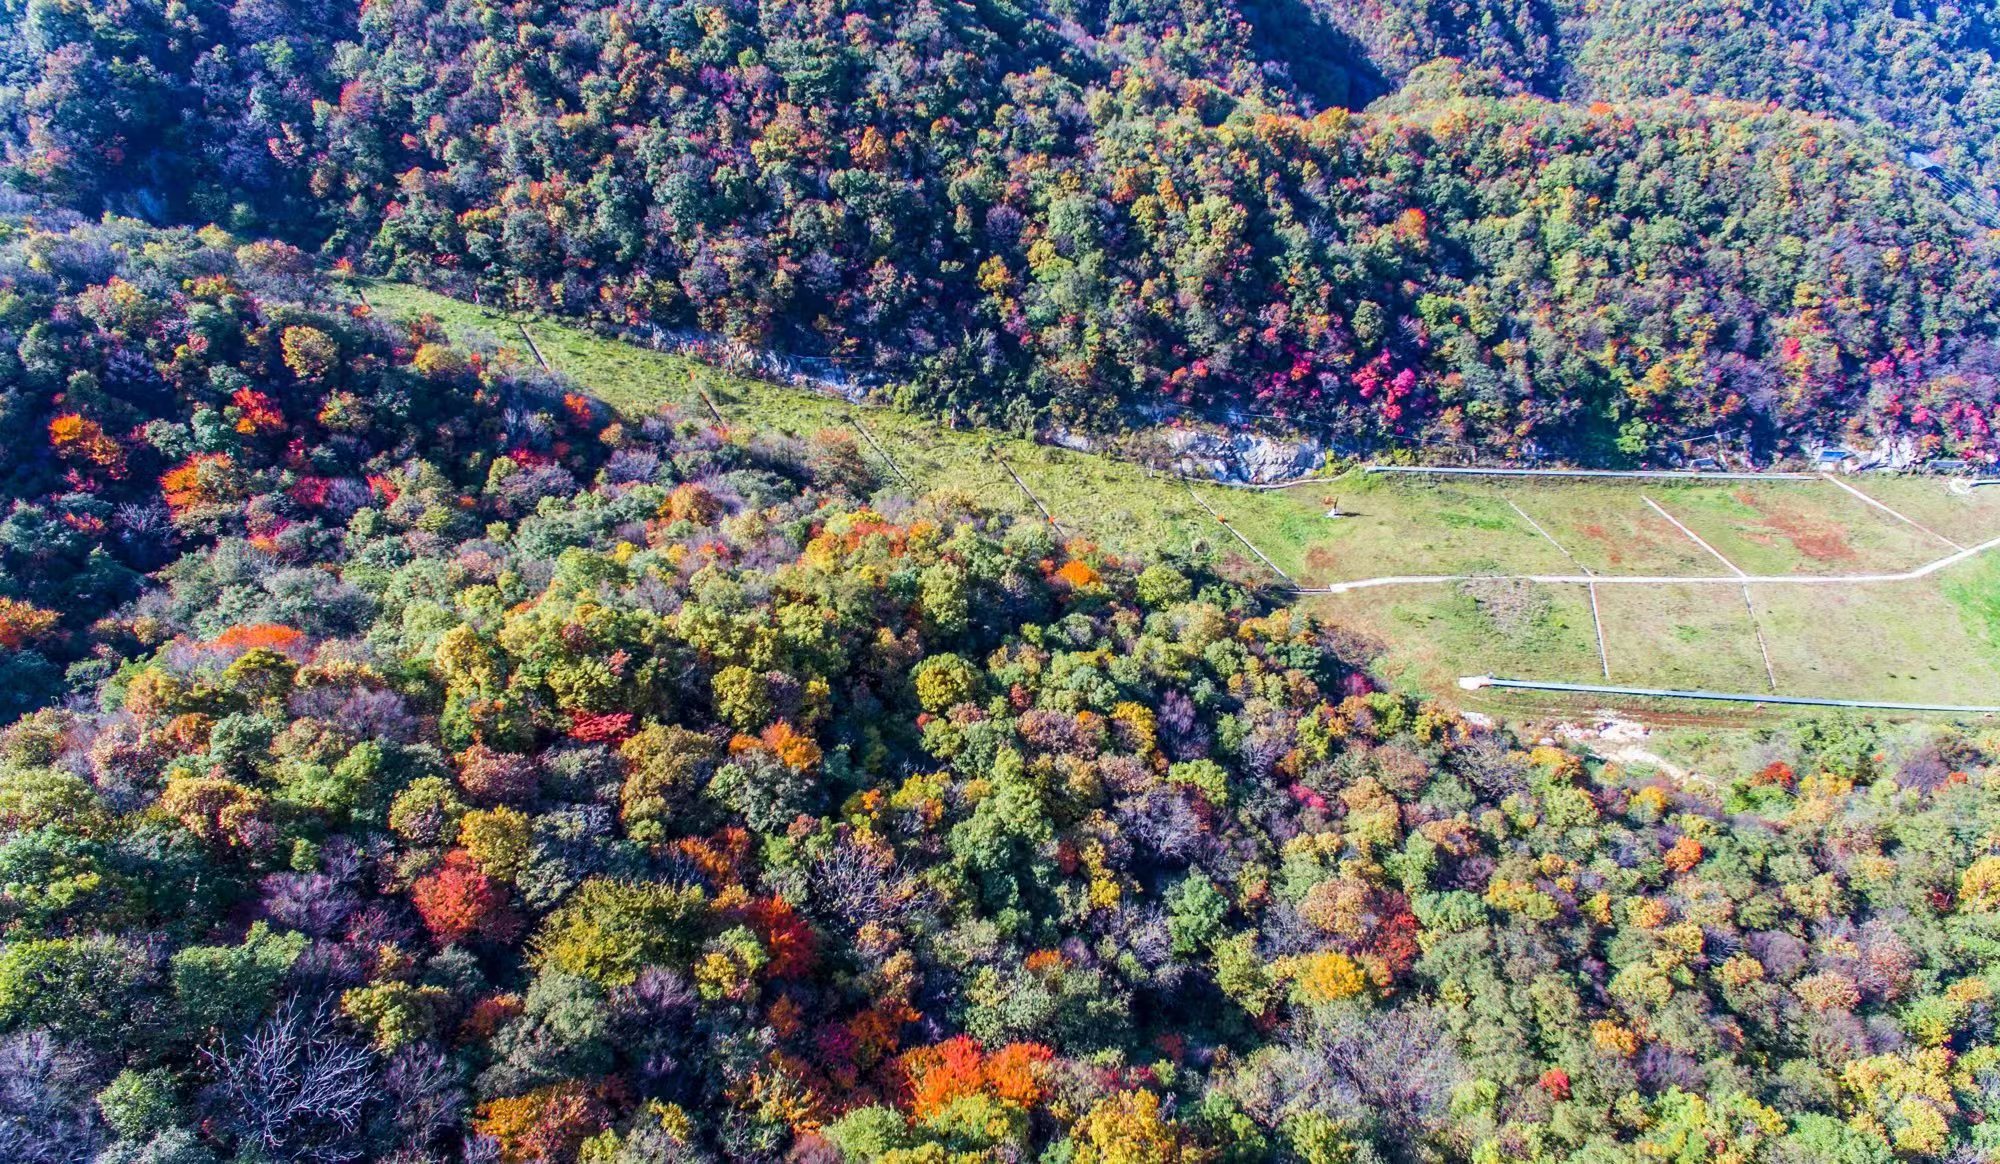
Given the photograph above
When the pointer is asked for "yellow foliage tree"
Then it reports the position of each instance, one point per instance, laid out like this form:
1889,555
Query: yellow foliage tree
1128,1128
309,352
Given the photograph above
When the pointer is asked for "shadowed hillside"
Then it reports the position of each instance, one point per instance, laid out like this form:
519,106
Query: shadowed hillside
1592,234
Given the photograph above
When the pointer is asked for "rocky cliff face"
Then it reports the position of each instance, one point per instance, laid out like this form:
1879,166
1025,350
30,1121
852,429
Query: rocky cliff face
1246,457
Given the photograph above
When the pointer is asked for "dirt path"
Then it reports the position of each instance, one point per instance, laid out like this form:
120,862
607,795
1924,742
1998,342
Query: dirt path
882,452
994,452
1692,536
535,348
1596,619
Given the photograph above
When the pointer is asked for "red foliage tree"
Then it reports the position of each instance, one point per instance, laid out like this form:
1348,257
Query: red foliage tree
458,902
787,936
594,728
258,412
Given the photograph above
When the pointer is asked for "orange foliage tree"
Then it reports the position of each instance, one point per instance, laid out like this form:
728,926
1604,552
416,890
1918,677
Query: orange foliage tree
266,635
22,622
199,480
82,443
936,1075
546,1124
792,748
1077,573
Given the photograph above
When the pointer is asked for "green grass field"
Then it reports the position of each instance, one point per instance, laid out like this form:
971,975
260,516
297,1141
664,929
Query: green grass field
1933,640
1424,634
1124,507
1682,636
1396,526
1609,529
1798,527
1906,641
1968,519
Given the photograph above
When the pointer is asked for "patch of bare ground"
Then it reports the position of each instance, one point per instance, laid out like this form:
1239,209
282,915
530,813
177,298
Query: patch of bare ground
1817,538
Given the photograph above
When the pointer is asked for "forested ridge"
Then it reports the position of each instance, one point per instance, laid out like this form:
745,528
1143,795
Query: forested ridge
405,757
422,763
1588,230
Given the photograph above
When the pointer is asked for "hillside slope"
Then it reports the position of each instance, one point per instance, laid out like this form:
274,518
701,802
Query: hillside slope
1920,75
1595,234
486,777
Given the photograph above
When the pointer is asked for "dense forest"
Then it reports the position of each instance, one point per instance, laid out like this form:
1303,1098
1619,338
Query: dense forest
1510,228
1922,76
405,757
433,766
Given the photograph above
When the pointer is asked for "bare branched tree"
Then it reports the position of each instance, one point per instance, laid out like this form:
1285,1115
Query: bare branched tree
858,884
1390,1072
425,1097
46,1113
295,1089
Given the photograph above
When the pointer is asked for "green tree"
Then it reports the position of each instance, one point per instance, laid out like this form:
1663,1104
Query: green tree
226,988
607,930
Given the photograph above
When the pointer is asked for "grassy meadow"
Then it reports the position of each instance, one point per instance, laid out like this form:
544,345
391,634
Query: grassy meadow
1936,639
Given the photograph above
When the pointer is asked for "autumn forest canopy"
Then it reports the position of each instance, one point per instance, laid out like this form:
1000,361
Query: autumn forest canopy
406,757
1578,229
414,761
